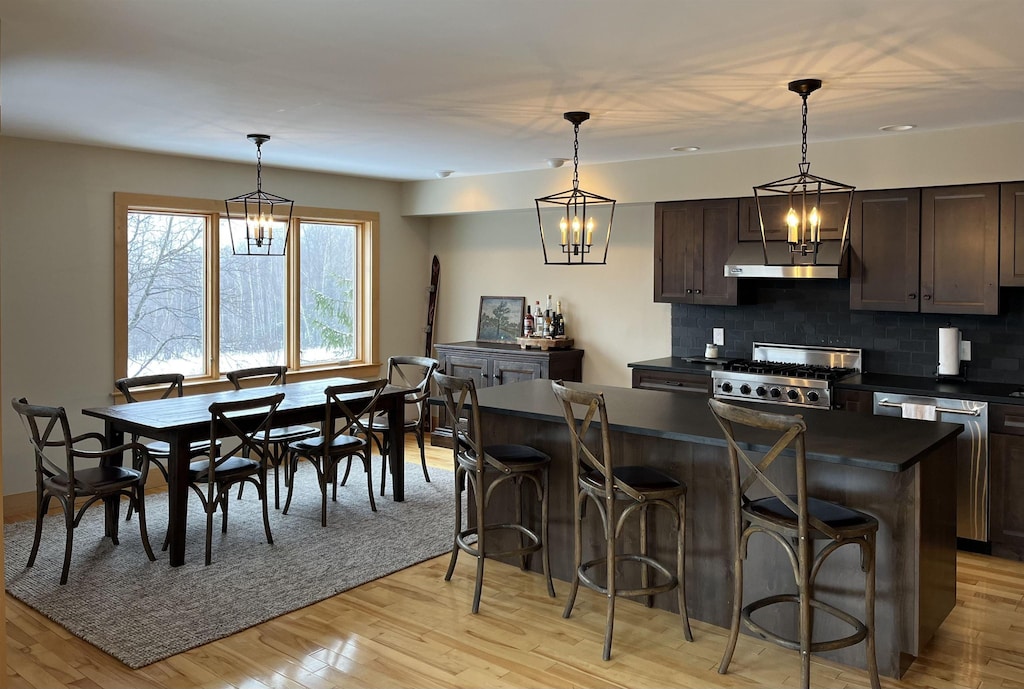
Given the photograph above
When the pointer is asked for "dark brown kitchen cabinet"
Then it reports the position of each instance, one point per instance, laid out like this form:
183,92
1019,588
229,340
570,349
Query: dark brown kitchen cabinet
673,381
1006,478
833,212
953,268
960,249
885,246
1011,234
496,364
856,401
692,241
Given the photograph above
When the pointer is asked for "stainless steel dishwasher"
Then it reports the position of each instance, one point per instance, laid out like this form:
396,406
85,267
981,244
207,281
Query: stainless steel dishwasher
971,449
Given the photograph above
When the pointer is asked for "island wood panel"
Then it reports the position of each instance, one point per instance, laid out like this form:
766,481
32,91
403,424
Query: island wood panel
916,541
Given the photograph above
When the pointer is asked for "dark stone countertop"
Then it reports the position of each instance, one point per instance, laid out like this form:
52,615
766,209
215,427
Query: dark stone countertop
882,443
874,382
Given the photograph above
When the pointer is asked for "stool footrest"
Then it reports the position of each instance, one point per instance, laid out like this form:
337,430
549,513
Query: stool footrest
644,560
859,634
470,547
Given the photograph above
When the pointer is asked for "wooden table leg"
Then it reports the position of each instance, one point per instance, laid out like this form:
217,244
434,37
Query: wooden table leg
396,442
177,499
112,505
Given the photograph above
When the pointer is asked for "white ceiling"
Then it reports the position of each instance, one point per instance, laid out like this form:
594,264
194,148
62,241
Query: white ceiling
398,89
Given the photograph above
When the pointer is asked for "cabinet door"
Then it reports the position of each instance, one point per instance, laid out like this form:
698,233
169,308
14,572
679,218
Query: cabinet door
693,383
960,249
467,366
1006,466
514,370
673,252
833,213
1011,229
714,227
885,240
856,401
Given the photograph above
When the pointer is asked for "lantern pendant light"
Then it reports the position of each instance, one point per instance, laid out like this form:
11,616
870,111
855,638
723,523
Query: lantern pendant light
804,215
259,221
575,218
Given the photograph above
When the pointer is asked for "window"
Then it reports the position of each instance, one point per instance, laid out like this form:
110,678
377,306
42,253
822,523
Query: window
185,303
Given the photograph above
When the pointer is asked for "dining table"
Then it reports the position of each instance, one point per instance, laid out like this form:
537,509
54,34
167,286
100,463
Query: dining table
180,421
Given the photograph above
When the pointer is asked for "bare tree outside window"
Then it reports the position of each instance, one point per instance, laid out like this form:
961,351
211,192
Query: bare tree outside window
328,293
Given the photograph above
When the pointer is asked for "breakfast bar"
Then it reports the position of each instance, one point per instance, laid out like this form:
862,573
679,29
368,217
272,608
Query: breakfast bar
901,471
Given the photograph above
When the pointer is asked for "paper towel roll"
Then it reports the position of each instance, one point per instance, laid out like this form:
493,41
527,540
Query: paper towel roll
949,351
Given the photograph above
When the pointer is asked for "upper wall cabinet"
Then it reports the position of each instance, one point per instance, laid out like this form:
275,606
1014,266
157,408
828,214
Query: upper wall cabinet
1011,228
833,211
692,241
885,245
944,259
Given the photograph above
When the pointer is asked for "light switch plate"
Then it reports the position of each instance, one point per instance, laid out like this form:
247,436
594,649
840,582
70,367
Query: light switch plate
965,350
718,336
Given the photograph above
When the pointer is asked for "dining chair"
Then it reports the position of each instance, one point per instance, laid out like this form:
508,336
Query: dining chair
485,468
618,492
243,457
281,436
166,385
66,479
344,436
795,521
411,372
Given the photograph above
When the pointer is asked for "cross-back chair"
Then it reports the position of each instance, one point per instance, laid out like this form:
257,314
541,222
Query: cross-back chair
794,521
618,492
281,436
344,435
167,385
411,372
60,474
240,429
486,468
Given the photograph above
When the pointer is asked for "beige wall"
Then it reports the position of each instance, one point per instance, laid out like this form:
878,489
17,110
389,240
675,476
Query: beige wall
56,261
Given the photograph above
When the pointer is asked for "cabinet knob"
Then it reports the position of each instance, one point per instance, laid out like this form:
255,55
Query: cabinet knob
689,291
696,291
912,296
927,297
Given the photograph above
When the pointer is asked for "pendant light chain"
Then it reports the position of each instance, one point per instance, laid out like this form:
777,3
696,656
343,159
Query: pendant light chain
259,162
576,156
803,136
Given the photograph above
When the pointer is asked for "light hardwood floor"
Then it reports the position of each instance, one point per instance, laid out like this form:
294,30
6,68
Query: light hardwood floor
413,629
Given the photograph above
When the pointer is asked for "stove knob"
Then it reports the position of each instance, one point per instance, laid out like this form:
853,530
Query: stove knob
761,391
793,394
745,389
812,396
726,387
775,392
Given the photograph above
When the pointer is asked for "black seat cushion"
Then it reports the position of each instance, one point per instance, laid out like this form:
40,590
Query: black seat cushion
197,470
285,434
100,476
341,443
639,477
516,455
835,515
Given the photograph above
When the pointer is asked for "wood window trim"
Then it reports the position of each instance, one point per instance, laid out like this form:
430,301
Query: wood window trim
367,362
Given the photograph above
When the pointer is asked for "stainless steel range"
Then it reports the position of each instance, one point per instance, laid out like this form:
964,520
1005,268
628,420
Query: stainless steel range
793,375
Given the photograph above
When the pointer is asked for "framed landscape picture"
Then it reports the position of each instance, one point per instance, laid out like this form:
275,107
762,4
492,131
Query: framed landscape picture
500,319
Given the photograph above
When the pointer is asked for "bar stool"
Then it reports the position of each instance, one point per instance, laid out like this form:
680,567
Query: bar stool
485,468
618,492
795,522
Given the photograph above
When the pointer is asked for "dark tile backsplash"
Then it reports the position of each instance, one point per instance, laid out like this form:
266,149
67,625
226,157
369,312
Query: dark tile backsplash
818,312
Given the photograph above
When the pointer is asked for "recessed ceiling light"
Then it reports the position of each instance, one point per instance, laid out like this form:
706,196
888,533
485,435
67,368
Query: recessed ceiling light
897,127
685,149
556,162
441,174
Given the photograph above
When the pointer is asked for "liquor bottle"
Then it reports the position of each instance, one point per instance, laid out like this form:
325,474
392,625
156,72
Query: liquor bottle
528,323
538,320
559,321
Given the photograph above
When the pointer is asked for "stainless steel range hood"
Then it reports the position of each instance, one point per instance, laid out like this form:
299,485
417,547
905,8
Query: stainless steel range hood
773,260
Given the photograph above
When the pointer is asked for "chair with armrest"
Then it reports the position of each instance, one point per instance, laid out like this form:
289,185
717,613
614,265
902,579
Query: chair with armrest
66,479
794,521
485,468
412,372
243,457
618,492
344,436
279,437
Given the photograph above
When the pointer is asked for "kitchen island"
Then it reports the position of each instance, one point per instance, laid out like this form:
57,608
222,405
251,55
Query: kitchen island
901,471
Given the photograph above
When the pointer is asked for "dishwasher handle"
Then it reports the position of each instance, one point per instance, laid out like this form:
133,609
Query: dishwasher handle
938,410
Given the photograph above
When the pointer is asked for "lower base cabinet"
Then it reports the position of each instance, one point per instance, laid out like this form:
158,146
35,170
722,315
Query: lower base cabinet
1006,480
673,381
497,364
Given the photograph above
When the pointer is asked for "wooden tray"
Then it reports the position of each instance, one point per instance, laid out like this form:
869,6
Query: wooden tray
544,343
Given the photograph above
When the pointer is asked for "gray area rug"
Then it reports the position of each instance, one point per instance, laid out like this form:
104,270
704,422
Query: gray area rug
140,611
